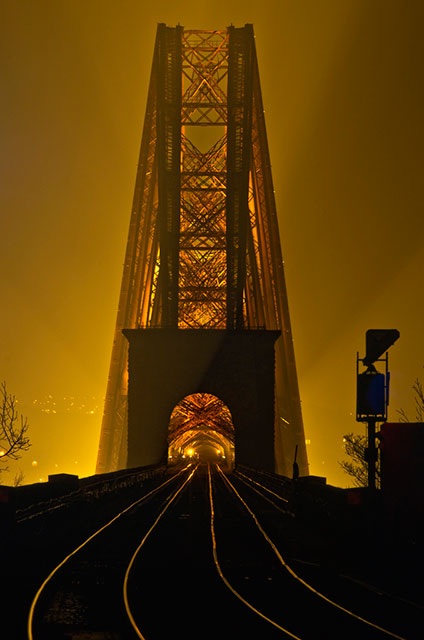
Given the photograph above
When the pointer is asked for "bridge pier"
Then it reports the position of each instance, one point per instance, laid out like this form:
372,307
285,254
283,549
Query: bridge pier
165,365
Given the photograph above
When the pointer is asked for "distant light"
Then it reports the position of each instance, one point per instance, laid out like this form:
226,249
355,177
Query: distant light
34,463
307,441
190,452
2,452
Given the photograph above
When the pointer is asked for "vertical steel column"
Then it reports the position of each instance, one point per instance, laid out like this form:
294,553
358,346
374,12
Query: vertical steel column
169,167
289,430
112,444
239,126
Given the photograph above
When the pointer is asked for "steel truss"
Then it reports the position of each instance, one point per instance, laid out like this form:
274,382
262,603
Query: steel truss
203,246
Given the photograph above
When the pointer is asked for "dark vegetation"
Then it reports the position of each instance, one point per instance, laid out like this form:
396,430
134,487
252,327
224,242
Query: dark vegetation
355,444
13,429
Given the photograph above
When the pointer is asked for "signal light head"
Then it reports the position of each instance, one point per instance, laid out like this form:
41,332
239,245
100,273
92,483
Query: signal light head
377,341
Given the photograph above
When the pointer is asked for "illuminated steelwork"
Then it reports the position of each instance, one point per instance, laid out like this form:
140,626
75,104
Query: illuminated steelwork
198,420
203,247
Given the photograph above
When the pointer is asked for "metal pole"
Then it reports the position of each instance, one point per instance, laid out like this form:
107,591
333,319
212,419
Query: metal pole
372,453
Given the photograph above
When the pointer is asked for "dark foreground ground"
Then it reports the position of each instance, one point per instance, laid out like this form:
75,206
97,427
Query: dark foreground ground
360,549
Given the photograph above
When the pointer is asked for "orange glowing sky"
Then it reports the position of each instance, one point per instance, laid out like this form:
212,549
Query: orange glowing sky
342,84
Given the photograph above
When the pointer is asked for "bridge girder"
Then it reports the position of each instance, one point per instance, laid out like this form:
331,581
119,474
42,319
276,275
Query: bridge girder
203,247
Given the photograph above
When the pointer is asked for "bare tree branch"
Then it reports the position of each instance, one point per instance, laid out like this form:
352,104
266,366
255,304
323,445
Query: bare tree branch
13,428
419,400
419,404
355,445
357,468
18,479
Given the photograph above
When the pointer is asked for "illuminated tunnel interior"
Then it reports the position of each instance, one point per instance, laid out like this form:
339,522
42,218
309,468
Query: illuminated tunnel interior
201,427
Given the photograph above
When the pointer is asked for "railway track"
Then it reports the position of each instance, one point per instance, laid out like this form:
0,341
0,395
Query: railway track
201,555
341,609
83,592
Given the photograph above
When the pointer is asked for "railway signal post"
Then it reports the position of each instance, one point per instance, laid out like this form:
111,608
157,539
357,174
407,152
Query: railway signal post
372,397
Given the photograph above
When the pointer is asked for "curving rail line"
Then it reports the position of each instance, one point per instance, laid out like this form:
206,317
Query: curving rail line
222,576
137,551
286,566
218,486
30,621
248,481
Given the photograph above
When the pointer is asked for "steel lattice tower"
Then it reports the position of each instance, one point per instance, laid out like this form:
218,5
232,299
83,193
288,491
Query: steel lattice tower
203,247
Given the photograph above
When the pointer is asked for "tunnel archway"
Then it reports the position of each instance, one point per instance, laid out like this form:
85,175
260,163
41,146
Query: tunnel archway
201,427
